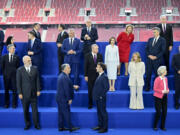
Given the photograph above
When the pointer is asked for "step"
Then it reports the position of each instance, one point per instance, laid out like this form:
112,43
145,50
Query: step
117,99
118,118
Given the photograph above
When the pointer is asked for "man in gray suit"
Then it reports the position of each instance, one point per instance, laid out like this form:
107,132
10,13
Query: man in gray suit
28,86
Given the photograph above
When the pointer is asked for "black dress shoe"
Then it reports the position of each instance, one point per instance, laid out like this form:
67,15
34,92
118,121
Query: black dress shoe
37,127
155,129
177,107
6,106
147,89
74,129
102,131
164,129
14,106
63,129
90,107
27,127
96,128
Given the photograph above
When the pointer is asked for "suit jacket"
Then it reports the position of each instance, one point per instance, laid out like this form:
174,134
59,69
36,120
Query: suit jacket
9,68
136,73
37,34
101,87
159,87
176,63
1,38
37,49
61,38
93,35
158,49
65,90
28,83
168,35
90,65
72,58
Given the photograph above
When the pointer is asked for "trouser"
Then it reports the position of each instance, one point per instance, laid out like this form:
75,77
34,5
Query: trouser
166,59
60,58
136,101
86,49
177,89
26,103
64,115
161,108
91,82
75,71
102,113
10,84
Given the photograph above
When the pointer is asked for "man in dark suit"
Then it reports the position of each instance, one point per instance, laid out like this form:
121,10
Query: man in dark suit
62,35
64,97
72,51
90,73
34,50
28,86
100,89
176,66
10,63
36,28
154,50
89,35
1,41
167,33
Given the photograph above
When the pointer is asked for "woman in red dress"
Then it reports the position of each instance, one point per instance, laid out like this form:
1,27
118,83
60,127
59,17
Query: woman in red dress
124,41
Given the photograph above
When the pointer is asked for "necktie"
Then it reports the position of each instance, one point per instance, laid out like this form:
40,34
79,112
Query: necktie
11,58
164,27
154,41
31,44
71,41
95,58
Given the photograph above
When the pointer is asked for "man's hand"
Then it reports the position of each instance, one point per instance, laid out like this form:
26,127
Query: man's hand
76,87
38,93
20,96
59,45
170,48
152,57
178,71
88,38
86,78
30,53
70,102
70,52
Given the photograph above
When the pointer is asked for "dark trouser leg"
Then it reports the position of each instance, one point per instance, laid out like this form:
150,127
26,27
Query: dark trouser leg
158,107
35,111
100,120
148,74
166,59
60,116
26,104
177,89
60,58
75,67
90,90
67,114
6,87
14,96
164,111
86,49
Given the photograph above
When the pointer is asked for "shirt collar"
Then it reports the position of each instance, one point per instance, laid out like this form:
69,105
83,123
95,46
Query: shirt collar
156,38
101,73
161,78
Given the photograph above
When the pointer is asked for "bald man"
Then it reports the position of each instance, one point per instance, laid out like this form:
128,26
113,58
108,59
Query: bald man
89,35
28,86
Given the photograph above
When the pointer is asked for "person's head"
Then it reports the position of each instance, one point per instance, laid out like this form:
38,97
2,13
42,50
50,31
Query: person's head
112,40
156,31
61,27
129,28
162,71
136,57
95,48
36,26
11,48
10,40
101,67
27,61
66,68
31,35
71,33
163,19
88,23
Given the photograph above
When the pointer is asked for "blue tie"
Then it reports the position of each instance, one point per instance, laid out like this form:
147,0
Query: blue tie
31,44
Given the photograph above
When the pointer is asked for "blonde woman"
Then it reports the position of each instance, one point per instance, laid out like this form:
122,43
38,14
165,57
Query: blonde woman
112,62
136,71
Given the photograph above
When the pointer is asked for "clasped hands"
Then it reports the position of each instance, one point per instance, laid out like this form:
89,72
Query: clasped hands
71,52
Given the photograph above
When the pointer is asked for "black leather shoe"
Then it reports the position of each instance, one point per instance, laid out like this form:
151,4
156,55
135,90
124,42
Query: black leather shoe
164,129
147,89
176,107
6,106
90,107
155,129
26,127
74,129
14,106
96,128
37,127
63,129
102,131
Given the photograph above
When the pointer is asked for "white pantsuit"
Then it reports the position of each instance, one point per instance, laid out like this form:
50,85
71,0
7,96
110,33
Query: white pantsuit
112,61
136,82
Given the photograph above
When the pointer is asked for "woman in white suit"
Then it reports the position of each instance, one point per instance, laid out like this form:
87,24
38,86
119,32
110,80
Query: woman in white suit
112,62
136,71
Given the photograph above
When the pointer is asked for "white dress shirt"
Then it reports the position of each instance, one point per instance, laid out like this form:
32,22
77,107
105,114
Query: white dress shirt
164,82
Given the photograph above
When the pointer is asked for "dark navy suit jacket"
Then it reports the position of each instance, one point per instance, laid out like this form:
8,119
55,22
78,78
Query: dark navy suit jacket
158,49
37,49
101,87
64,89
72,58
93,35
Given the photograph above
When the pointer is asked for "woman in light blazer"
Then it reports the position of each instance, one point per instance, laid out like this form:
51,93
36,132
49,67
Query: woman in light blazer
112,62
136,71
161,90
